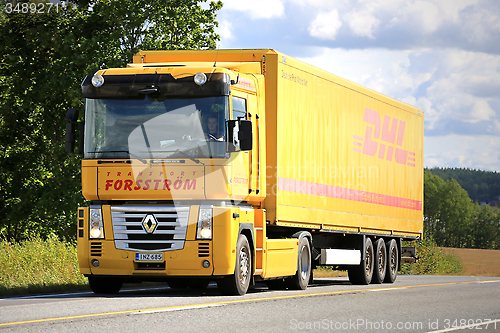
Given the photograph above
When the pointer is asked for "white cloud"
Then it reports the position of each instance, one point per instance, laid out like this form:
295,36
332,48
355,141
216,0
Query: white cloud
468,82
225,30
325,25
362,23
385,71
465,151
257,9
425,13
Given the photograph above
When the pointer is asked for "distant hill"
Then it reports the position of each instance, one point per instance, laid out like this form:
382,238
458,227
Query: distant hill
482,186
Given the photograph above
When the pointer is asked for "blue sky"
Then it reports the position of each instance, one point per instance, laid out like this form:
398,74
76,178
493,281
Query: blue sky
442,56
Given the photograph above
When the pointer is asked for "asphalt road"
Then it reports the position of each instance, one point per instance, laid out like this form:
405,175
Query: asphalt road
411,304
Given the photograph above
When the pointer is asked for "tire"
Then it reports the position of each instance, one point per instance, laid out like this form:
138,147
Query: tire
392,261
380,261
363,273
238,283
104,285
301,279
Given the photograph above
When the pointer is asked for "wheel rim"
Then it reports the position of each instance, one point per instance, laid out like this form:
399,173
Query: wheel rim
393,260
381,260
244,265
368,262
304,262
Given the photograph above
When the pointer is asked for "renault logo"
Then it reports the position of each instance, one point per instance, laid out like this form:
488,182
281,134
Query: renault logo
149,223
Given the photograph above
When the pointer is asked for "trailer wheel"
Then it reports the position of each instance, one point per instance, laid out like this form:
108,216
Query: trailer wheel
301,279
104,285
380,262
363,273
392,261
238,283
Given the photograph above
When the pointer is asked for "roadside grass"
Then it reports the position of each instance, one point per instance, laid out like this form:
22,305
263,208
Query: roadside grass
477,262
327,271
433,260
37,265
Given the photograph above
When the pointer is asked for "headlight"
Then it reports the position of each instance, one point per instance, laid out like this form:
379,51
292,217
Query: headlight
205,223
96,225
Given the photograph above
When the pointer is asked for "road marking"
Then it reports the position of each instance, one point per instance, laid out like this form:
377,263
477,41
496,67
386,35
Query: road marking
179,308
471,326
192,306
385,289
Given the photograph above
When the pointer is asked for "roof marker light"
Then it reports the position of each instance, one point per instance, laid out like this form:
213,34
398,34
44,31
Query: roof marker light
97,80
200,79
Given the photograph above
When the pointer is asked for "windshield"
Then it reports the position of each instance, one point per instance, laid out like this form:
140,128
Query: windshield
156,129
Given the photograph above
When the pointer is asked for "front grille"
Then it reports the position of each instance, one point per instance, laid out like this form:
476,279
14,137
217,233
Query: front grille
130,234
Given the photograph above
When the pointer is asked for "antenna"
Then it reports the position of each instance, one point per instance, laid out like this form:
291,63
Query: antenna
216,55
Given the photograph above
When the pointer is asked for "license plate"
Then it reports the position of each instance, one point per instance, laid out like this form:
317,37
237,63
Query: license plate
149,257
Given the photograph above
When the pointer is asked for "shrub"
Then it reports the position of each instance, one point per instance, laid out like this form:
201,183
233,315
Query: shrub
432,260
37,265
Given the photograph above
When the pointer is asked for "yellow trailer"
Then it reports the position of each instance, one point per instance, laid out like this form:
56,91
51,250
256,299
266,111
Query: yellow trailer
242,165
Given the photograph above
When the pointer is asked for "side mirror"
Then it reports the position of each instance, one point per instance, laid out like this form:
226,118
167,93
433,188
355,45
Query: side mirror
239,135
71,122
245,134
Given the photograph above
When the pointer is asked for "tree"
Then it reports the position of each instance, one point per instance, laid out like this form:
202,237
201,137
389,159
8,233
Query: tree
44,57
448,212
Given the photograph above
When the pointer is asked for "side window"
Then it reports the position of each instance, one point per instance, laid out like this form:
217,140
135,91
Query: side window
239,108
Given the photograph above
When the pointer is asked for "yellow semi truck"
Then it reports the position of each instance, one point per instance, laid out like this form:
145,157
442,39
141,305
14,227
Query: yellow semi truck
238,166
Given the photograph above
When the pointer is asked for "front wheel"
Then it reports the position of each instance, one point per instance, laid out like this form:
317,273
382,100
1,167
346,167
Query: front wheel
104,285
238,283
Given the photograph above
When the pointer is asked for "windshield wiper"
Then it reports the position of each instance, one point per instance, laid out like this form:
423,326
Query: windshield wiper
187,155
194,159
121,151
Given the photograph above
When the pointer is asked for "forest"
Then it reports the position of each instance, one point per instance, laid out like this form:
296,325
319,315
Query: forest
452,219
482,186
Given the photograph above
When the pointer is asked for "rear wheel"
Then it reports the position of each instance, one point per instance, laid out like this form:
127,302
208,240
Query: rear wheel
301,279
380,261
238,283
363,273
392,261
105,285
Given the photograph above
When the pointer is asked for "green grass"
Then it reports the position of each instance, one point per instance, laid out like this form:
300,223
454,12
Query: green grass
433,260
38,265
